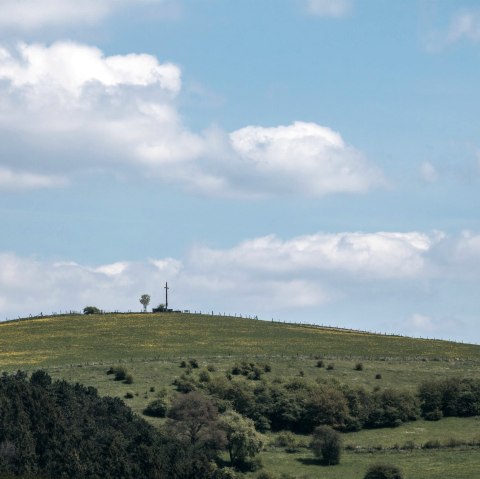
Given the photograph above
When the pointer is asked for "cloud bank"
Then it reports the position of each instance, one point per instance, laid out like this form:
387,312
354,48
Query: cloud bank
78,109
267,276
37,14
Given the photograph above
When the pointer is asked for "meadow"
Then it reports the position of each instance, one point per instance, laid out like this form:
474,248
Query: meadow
151,346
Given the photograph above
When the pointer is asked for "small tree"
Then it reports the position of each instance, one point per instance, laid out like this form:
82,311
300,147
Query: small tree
327,445
383,471
145,301
243,441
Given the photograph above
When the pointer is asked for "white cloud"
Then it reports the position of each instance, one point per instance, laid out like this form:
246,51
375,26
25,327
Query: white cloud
373,255
302,157
35,14
20,180
329,8
71,67
78,109
465,25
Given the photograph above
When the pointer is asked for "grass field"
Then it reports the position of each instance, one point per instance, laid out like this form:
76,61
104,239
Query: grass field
65,340
151,346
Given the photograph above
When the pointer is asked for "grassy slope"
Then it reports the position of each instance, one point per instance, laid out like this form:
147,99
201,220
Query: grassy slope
66,340
78,348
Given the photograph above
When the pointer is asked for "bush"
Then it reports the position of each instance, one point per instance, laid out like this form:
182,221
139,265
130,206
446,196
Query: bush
157,408
331,367
320,363
211,368
91,310
359,367
183,364
204,377
289,441
378,376
193,363
383,471
128,395
327,445
120,373
128,379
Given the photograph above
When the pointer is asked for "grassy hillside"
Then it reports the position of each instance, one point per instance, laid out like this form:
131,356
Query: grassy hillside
64,340
151,347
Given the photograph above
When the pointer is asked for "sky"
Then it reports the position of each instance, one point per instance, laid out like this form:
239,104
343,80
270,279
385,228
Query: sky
299,160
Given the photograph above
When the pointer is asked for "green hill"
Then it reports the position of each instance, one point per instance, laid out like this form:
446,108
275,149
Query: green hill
66,340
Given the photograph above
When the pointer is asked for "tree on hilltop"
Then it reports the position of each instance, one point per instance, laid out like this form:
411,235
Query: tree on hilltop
145,301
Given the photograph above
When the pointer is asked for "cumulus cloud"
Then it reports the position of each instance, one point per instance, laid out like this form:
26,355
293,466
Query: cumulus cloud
329,8
35,14
79,109
303,156
374,255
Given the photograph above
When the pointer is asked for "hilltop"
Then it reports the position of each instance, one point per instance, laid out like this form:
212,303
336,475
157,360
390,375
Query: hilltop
81,339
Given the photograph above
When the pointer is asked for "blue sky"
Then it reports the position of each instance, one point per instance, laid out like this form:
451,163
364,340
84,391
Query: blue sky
307,160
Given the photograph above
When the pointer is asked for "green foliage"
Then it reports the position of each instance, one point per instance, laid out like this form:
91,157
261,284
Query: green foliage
243,441
156,408
145,301
450,397
383,471
54,429
91,310
327,445
359,367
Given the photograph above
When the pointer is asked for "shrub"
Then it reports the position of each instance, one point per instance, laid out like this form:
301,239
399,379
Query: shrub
432,444
157,408
120,373
378,376
331,366
183,364
383,471
327,445
128,379
359,367
267,368
320,363
128,395
211,368
152,389
185,384
91,310
289,441
204,377
434,415
193,363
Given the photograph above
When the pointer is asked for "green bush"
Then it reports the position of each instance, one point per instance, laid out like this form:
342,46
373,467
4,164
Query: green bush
120,373
320,363
157,408
91,310
193,363
383,471
359,367
327,445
